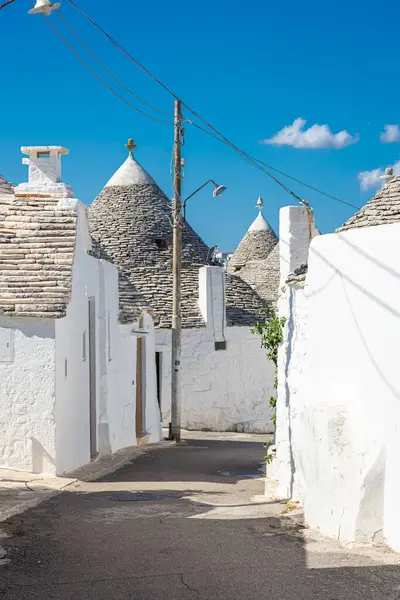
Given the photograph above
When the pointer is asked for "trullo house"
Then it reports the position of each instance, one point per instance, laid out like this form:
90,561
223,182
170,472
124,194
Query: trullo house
226,379
75,382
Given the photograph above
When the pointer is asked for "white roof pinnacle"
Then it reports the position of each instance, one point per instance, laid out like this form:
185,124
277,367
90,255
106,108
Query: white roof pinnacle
130,172
260,223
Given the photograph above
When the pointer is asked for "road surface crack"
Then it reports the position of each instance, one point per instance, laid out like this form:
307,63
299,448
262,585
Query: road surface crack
189,588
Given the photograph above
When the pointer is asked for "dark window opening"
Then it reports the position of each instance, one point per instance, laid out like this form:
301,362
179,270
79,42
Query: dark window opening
161,244
220,345
43,155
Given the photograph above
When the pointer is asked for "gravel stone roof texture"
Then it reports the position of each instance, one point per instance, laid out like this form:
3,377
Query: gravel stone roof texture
382,209
37,246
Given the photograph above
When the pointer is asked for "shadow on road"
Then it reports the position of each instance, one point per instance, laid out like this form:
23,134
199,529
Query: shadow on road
117,539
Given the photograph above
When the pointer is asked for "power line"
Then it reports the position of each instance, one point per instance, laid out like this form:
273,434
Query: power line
6,4
100,78
252,160
279,171
59,15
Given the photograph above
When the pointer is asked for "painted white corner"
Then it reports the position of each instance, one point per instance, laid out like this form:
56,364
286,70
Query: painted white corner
212,300
296,229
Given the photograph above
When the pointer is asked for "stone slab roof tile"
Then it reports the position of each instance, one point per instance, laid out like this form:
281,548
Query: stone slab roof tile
5,186
131,225
37,246
382,209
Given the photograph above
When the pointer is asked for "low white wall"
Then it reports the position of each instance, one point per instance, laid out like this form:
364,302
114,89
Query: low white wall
224,390
345,401
27,395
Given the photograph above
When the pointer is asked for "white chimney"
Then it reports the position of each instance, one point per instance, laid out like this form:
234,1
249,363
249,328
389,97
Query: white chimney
44,176
212,302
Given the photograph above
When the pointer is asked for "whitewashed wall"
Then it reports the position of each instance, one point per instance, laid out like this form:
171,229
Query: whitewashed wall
224,390
27,394
345,401
296,229
115,365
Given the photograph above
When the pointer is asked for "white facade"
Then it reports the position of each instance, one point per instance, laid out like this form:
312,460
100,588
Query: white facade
69,385
337,449
225,389
27,394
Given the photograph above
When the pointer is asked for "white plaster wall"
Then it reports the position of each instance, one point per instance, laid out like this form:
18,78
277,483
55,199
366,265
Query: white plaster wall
72,388
224,390
153,426
296,228
345,399
116,350
27,396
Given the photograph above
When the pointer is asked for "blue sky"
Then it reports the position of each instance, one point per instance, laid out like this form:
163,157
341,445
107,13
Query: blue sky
250,68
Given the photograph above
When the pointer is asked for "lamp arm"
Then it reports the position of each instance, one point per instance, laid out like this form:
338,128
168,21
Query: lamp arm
193,193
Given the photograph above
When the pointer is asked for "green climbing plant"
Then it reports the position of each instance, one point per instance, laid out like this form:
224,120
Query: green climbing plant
270,329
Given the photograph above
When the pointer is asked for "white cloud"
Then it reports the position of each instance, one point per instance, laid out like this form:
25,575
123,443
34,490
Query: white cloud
372,179
391,134
316,136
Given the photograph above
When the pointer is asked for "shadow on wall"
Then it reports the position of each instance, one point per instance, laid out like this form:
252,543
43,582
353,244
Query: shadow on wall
370,518
40,457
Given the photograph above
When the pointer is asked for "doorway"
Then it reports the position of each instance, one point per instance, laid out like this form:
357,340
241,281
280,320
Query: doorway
159,377
92,377
140,384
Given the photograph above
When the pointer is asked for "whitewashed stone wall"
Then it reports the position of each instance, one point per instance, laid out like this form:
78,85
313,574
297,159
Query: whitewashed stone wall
27,394
223,390
342,385
296,229
116,351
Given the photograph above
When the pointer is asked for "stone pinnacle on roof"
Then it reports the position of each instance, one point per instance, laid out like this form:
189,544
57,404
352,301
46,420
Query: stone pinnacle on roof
260,223
256,259
382,209
130,172
257,244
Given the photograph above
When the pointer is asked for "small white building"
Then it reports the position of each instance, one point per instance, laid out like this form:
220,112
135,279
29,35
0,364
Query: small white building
226,379
74,382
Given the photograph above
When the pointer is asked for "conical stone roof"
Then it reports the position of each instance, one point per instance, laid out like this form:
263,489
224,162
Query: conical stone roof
382,209
5,186
131,226
256,259
130,222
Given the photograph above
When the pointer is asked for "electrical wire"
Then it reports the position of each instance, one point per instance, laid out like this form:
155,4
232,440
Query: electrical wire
85,64
278,170
59,15
252,160
6,4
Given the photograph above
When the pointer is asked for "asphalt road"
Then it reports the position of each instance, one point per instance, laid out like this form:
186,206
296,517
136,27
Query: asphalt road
180,522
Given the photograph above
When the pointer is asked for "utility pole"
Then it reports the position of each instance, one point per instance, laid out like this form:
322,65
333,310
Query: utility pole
175,432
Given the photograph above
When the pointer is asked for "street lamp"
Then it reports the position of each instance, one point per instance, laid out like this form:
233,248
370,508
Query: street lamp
218,190
44,7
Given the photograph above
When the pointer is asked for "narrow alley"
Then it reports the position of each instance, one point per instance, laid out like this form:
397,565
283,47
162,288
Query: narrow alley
183,522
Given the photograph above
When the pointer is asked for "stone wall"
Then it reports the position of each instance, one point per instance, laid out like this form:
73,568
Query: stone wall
222,390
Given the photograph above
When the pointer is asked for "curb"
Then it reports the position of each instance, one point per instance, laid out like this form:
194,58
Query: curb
104,465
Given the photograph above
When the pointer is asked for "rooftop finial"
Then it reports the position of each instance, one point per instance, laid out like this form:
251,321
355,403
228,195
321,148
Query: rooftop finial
388,176
131,146
260,204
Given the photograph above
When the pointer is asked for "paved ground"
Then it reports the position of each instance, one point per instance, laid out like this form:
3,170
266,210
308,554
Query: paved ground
179,522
